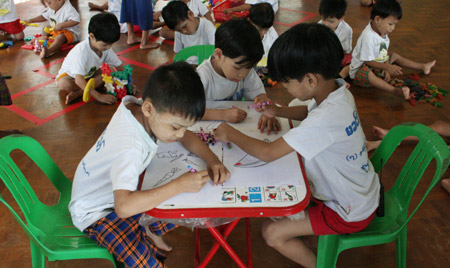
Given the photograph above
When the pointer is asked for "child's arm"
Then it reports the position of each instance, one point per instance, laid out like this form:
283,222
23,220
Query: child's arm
264,121
391,68
295,112
218,172
236,9
63,25
128,203
39,18
209,17
265,151
233,115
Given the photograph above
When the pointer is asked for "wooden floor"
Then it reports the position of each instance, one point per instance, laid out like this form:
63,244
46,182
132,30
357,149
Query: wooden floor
67,132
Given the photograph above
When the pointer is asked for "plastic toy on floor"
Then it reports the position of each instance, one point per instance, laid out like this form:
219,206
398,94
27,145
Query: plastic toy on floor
421,92
6,44
263,74
117,83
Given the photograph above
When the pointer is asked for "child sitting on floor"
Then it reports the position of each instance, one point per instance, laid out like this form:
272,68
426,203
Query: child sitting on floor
106,203
371,64
10,27
113,6
229,73
85,59
307,59
65,25
189,30
333,13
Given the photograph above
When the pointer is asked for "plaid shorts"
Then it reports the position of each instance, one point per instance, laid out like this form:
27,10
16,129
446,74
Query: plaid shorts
5,96
127,240
362,75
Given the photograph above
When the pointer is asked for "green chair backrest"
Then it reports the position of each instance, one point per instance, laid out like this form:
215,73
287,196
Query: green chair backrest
33,209
203,52
430,146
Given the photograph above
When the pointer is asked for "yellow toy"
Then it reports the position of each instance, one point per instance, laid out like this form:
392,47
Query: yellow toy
90,85
29,23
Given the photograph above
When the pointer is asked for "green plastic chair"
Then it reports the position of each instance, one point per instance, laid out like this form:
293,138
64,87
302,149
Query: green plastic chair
202,52
393,225
49,228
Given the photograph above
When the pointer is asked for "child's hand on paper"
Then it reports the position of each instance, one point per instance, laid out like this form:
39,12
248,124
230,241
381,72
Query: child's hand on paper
223,132
235,115
270,111
271,124
192,182
218,172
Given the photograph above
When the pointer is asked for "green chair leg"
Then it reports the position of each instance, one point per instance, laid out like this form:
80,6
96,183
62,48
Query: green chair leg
401,246
327,251
37,258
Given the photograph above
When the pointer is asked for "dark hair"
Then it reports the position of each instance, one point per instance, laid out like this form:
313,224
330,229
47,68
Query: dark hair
386,8
105,27
305,48
239,38
176,88
262,15
175,12
332,8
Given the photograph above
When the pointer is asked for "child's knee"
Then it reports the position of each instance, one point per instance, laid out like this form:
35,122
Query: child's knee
269,233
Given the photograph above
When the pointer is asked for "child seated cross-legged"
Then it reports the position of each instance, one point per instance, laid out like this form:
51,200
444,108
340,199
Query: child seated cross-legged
371,64
65,25
85,59
10,27
307,58
229,73
333,13
106,204
189,30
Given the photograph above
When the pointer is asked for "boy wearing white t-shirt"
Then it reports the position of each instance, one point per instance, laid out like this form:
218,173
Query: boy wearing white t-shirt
85,59
371,64
112,6
189,29
229,74
306,59
64,23
249,3
106,203
10,27
333,13
262,16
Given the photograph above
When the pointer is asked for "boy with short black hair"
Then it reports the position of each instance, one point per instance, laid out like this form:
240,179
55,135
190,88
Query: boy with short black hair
262,16
333,13
64,20
86,58
106,203
372,64
229,73
189,29
306,59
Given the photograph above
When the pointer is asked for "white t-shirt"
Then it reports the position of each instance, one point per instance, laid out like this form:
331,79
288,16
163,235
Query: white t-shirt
114,6
203,36
273,3
345,34
197,7
370,47
8,11
218,87
65,13
268,40
333,146
84,61
115,162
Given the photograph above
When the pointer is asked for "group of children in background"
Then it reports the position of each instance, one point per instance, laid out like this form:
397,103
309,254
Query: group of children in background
307,59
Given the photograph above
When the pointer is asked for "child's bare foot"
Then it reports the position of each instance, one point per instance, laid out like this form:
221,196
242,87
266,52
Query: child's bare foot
149,45
446,184
158,240
372,145
95,6
405,91
133,39
379,132
428,66
73,95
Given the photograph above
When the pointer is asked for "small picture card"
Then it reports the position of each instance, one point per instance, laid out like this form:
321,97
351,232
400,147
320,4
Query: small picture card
228,195
272,196
242,194
285,188
254,189
255,197
289,196
270,189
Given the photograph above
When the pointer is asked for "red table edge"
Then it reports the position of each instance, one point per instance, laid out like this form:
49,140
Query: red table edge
235,212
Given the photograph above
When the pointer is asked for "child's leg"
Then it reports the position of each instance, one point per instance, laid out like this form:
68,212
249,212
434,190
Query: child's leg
383,85
56,45
68,85
158,240
404,62
132,38
446,184
283,235
145,44
441,127
98,7
344,72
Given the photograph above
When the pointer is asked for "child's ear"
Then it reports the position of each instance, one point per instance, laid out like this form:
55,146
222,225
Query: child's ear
147,108
218,53
191,14
311,79
377,19
91,36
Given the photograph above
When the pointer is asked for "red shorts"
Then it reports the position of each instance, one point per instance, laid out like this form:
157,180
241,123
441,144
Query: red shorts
346,60
326,221
13,27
